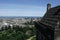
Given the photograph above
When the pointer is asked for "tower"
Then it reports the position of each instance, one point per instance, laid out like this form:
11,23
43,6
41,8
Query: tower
48,6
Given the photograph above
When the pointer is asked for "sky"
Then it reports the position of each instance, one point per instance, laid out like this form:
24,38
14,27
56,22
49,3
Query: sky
25,7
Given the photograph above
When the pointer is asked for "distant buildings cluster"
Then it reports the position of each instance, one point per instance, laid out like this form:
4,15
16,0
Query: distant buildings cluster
15,21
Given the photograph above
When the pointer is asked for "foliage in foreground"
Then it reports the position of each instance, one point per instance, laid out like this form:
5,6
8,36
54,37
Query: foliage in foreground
16,33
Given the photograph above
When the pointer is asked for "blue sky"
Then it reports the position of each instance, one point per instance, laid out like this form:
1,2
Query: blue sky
25,7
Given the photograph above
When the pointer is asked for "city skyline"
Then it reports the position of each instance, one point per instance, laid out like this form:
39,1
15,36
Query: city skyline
25,7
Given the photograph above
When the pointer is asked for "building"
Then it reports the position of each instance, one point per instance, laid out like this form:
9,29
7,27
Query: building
48,28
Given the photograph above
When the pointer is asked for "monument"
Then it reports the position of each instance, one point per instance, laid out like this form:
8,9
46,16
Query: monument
48,28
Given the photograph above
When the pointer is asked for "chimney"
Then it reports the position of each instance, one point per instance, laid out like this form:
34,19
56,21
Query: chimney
48,6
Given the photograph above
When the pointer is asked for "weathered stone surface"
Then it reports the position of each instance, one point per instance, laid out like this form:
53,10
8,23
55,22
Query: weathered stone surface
46,27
